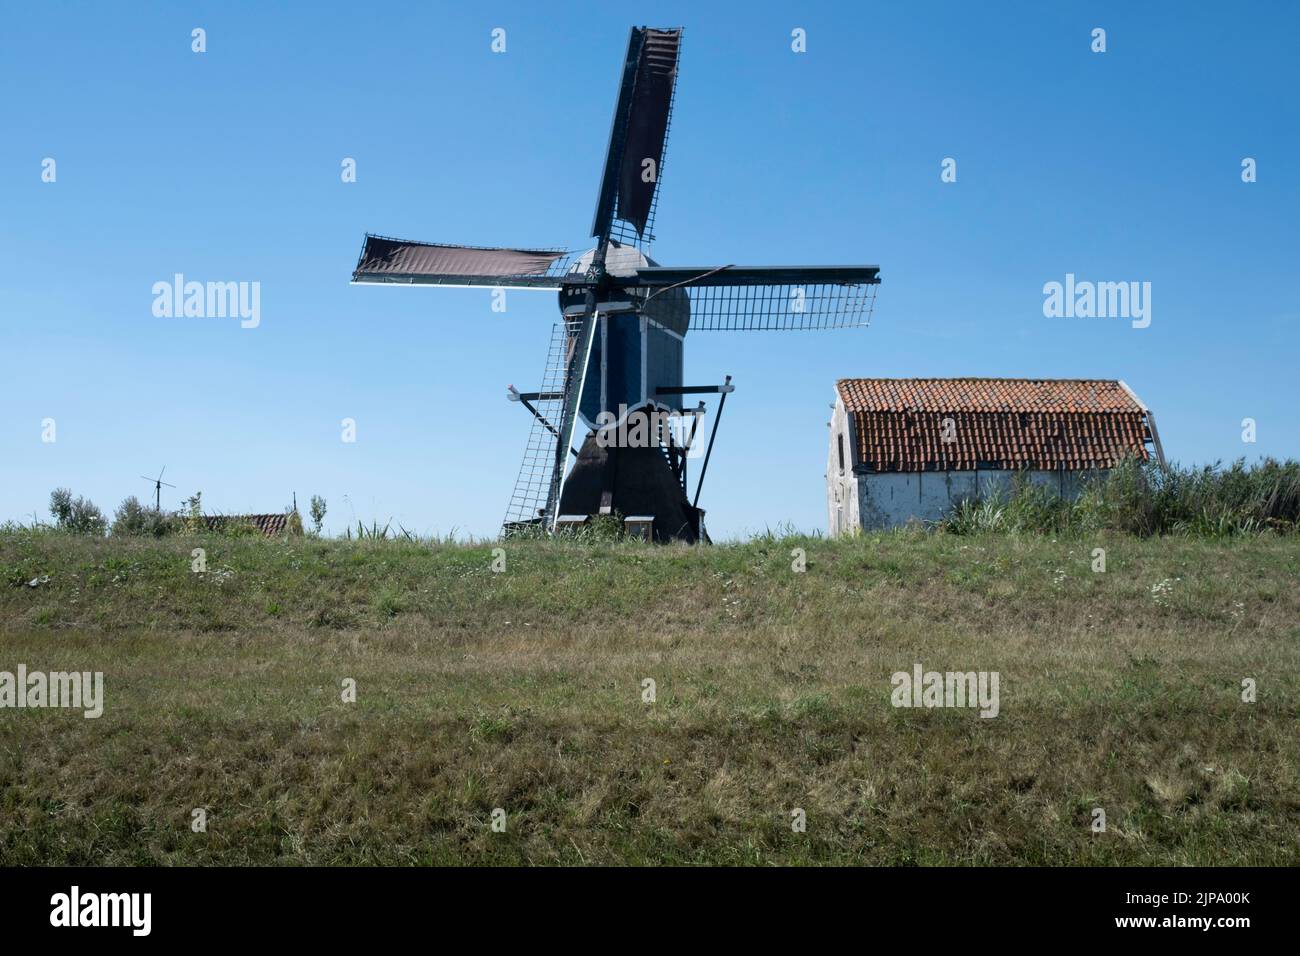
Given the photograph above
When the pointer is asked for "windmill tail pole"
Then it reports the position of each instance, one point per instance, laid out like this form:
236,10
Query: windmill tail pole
704,467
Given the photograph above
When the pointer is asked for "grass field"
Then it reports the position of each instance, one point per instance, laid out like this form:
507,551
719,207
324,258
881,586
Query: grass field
522,690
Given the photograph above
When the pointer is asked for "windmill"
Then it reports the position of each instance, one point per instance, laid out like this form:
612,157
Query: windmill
157,488
617,351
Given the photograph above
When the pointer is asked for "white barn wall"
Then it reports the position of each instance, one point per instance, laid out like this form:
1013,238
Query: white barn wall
891,499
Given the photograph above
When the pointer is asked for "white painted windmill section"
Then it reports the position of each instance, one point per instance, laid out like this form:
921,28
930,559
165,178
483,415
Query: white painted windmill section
620,261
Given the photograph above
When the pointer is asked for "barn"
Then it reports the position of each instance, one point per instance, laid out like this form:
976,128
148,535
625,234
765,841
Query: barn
905,449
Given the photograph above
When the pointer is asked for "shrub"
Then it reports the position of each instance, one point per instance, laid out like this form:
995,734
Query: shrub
192,517
317,513
134,519
76,515
605,527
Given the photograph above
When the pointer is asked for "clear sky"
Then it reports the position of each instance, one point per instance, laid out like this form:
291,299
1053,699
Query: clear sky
225,166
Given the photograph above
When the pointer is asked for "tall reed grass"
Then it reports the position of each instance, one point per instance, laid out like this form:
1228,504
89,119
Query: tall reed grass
1143,498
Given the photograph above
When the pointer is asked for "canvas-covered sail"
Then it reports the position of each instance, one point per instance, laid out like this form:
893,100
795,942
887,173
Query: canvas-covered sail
398,260
647,125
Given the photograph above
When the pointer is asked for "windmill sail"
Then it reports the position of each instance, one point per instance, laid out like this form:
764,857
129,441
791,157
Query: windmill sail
696,276
760,298
638,137
647,126
386,260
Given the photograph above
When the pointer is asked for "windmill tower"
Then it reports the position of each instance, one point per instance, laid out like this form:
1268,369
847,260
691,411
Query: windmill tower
617,351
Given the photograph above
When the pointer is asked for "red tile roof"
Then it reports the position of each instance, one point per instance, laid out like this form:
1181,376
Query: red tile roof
1004,423
269,525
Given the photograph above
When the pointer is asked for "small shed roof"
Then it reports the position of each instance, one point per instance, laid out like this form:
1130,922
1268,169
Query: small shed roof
1003,423
270,525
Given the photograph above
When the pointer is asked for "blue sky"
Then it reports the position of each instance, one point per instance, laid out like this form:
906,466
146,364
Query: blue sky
225,166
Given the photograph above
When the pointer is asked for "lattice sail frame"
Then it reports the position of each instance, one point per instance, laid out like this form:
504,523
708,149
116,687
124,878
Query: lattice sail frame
778,307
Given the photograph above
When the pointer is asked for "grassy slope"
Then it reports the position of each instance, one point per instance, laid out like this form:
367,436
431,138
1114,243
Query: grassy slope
521,690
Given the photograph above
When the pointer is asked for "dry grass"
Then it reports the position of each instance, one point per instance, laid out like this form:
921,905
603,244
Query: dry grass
522,690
